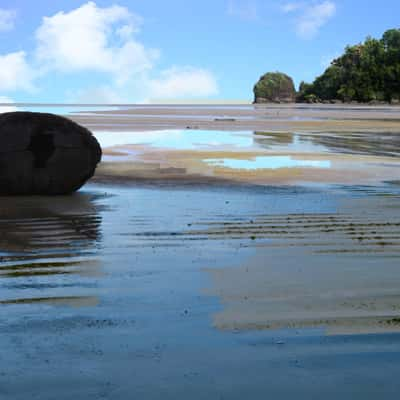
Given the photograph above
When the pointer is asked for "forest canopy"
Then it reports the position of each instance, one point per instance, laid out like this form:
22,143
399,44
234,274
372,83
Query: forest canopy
366,72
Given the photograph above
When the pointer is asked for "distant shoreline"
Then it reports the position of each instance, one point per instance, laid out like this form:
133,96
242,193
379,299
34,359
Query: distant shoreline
200,105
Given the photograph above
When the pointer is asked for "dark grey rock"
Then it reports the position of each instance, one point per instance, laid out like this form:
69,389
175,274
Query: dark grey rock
44,154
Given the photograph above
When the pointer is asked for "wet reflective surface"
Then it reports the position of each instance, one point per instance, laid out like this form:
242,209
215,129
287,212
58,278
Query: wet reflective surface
121,292
268,162
47,244
246,287
176,139
359,143
259,157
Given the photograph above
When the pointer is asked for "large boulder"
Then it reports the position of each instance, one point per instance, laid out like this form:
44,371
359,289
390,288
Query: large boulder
44,154
274,87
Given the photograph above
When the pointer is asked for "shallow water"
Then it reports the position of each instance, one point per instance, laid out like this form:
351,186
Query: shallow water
108,294
75,240
358,143
268,162
257,157
202,292
176,139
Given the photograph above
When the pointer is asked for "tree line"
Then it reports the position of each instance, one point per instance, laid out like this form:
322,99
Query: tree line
369,71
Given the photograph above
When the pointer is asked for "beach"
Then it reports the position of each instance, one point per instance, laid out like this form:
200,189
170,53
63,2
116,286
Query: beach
226,252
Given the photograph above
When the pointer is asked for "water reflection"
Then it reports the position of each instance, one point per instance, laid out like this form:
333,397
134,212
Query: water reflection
176,139
46,245
377,144
288,142
362,143
268,139
269,162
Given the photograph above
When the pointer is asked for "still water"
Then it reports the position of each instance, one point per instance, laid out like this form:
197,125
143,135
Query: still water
102,295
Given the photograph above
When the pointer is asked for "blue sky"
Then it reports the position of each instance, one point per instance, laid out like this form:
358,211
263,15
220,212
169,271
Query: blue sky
141,51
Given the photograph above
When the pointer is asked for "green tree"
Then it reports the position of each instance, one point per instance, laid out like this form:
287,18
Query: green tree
365,72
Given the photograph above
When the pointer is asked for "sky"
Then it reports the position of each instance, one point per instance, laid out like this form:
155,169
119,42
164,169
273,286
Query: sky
146,51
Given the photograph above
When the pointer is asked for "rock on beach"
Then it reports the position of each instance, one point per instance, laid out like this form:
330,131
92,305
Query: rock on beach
44,154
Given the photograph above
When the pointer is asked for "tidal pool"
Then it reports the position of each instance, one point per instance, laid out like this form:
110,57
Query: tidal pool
178,139
269,162
192,139
384,144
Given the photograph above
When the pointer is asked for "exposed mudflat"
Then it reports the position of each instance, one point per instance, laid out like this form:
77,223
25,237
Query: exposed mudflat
322,144
227,264
276,118
265,158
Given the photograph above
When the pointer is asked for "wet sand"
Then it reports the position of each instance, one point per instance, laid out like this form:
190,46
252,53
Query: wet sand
337,270
360,143
273,118
151,165
177,276
262,158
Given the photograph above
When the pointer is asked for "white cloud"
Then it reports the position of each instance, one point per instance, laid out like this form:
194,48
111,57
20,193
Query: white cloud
310,16
244,9
90,38
314,18
15,72
7,19
179,82
291,7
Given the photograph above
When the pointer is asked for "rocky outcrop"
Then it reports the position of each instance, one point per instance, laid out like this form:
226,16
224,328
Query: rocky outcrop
44,154
274,87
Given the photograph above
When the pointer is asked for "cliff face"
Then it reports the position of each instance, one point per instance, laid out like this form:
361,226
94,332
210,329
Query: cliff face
274,87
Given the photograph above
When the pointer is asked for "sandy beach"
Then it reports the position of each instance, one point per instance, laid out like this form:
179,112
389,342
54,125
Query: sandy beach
333,140
222,252
275,118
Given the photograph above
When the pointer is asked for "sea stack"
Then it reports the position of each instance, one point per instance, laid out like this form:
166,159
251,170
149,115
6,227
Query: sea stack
274,87
44,154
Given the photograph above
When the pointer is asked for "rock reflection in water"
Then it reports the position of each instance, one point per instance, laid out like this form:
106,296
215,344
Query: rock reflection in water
361,143
382,144
48,249
267,139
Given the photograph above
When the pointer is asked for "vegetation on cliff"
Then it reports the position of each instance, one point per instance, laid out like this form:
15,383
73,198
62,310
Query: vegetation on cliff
366,72
274,87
